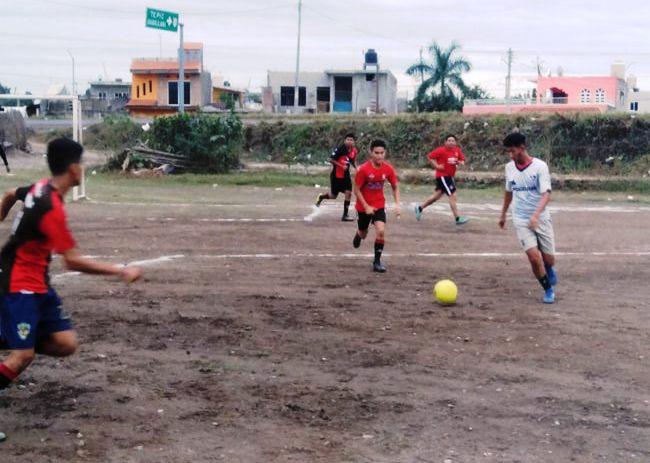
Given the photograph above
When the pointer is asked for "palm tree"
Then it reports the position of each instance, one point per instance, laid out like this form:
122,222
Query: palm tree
442,84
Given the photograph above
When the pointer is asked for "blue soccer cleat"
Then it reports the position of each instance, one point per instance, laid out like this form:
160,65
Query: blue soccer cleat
549,296
552,276
418,212
462,220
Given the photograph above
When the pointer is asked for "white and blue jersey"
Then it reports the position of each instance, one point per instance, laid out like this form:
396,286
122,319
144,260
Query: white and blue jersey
527,186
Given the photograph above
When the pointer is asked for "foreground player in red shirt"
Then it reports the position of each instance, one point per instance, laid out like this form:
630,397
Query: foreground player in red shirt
444,161
342,158
31,317
371,203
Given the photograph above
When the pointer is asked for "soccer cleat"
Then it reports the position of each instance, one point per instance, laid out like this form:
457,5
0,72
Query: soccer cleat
418,212
356,242
347,218
462,220
378,267
319,199
549,296
552,276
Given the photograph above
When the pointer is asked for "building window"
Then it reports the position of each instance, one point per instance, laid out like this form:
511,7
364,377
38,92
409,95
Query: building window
144,88
600,96
150,87
172,89
137,91
585,96
634,106
102,95
287,96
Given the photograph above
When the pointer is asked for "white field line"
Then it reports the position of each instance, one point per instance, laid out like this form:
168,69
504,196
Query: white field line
332,255
419,254
141,263
442,205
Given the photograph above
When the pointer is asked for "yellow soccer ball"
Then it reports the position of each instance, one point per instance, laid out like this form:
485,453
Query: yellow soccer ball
445,292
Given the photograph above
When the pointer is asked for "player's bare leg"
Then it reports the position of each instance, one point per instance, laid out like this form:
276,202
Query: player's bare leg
380,233
537,265
453,204
61,344
428,202
323,196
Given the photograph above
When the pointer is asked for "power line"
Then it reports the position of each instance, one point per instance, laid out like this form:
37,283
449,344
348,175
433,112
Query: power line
184,13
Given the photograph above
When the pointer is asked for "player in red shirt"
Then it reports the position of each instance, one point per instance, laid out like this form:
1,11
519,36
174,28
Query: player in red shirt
371,203
31,317
341,158
444,160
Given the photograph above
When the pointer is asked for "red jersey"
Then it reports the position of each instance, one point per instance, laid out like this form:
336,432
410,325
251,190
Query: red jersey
448,158
370,180
343,156
39,229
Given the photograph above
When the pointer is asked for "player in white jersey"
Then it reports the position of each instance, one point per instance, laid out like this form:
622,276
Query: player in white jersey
528,183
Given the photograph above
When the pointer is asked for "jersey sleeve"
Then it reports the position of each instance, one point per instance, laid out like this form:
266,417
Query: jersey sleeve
360,178
392,177
461,155
21,192
508,187
544,179
434,155
55,228
339,152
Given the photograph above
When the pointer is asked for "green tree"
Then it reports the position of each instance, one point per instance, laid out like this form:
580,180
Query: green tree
443,87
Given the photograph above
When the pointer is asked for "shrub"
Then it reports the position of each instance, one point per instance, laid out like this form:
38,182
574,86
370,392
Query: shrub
210,143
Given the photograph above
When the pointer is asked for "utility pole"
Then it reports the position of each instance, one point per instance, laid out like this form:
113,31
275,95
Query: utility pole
421,66
74,82
508,79
296,91
181,73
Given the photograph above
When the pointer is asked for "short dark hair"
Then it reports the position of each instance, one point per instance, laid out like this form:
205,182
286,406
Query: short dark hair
451,135
350,135
378,143
62,153
514,140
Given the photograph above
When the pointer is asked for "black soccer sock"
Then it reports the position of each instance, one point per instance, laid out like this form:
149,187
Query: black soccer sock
544,281
7,375
346,208
379,248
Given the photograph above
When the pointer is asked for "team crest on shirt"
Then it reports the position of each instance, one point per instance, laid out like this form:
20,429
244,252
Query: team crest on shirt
23,330
371,176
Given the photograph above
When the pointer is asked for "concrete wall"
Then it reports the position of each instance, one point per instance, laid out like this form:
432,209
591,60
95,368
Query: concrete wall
573,86
363,92
310,80
643,100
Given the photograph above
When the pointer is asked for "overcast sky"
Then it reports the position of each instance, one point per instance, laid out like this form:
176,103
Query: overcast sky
245,38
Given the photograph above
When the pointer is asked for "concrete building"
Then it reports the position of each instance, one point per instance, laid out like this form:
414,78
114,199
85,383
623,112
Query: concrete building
221,92
154,90
589,94
106,96
333,91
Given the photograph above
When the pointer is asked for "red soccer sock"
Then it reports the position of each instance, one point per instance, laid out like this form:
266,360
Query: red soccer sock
7,375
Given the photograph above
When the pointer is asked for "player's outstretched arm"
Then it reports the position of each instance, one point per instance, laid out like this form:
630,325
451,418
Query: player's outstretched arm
507,199
75,261
8,201
357,192
534,220
398,211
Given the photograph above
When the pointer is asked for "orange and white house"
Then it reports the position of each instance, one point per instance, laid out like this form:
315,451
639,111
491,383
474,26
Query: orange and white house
154,90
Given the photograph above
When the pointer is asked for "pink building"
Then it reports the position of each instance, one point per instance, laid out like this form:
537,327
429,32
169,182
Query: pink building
590,94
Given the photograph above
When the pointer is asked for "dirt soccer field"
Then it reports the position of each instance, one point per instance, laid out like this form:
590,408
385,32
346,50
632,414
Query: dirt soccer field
258,336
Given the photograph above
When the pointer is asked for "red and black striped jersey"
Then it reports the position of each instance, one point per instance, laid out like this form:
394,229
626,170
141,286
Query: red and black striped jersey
39,229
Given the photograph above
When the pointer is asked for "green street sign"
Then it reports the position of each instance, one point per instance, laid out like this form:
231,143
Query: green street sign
164,20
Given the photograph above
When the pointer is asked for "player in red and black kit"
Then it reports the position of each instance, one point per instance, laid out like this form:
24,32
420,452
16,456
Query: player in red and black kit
31,317
444,160
371,203
342,158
